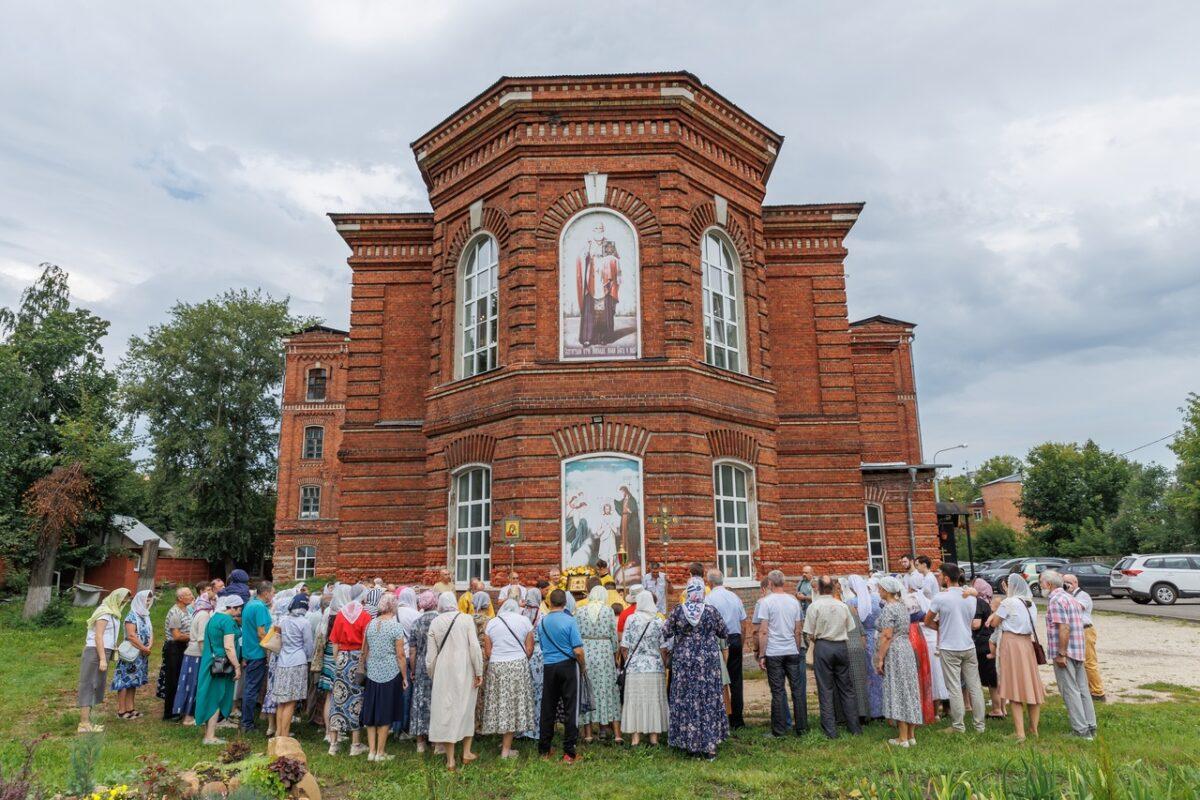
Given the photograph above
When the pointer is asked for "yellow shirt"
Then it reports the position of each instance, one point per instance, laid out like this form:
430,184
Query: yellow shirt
683,594
467,606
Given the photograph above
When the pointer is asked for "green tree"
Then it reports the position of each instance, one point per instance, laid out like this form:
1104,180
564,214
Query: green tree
1184,498
997,467
54,387
1066,484
206,385
990,539
1145,521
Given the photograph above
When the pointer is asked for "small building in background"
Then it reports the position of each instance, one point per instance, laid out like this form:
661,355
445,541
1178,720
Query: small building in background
123,566
1000,500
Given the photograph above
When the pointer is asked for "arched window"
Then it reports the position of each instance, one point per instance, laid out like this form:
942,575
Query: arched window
310,502
723,332
317,378
314,442
471,517
733,496
478,307
876,544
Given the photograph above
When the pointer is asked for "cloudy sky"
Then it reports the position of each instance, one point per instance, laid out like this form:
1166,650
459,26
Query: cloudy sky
1031,169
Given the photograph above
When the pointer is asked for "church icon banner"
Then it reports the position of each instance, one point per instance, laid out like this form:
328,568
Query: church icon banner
602,514
598,288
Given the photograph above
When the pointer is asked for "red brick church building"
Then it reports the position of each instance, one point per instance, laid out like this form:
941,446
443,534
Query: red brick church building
602,334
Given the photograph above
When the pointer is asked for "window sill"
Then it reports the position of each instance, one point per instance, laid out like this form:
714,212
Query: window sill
741,583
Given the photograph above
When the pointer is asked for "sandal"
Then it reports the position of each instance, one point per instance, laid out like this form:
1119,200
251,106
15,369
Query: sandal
618,740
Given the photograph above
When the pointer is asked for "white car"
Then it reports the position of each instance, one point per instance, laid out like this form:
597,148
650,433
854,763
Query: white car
1162,578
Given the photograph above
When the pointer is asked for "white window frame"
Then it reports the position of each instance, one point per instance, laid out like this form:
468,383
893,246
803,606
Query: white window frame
320,444
978,514
482,250
137,562
309,559
310,514
722,308
721,526
308,398
878,537
482,528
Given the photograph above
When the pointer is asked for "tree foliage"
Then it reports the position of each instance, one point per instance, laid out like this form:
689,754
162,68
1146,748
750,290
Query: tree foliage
55,505
1000,466
966,487
1065,486
206,385
990,539
1184,497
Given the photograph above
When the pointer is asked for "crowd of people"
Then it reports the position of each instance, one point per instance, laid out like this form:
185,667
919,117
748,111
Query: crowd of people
372,661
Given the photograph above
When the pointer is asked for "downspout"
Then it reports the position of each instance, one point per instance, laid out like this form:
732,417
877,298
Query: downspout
912,533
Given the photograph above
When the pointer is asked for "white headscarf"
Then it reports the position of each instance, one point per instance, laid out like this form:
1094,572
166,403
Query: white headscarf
597,602
142,602
1017,587
349,607
510,606
891,585
862,595
226,602
646,604
407,598
915,598
447,602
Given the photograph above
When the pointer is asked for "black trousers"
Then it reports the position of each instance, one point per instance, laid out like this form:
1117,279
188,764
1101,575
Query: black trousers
791,670
172,664
733,661
560,682
831,664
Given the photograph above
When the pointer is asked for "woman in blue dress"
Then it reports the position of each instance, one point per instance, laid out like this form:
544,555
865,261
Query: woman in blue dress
130,675
868,606
418,675
698,722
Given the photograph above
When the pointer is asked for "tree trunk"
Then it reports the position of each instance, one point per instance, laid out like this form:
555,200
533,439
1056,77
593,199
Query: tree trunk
41,580
149,565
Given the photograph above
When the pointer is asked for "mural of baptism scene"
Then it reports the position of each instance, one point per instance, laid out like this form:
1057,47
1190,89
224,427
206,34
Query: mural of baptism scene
602,514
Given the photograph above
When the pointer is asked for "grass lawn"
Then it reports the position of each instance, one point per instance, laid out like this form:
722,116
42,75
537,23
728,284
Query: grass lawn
40,670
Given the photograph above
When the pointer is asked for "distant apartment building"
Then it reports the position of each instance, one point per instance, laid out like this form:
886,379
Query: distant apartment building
1000,500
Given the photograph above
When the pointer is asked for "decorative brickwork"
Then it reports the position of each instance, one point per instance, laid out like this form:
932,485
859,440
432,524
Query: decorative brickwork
815,405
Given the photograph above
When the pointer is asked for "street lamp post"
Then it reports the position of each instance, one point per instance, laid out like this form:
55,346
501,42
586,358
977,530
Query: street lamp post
937,496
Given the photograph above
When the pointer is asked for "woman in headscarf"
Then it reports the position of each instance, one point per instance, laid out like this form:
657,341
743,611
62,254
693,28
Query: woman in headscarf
642,647
531,609
189,672
102,629
508,693
455,664
370,600
214,693
418,675
327,656
982,637
856,654
349,625
280,604
406,614
132,673
291,665
896,664
1018,680
315,702
698,722
481,606
598,627
912,595
239,584
386,669
867,606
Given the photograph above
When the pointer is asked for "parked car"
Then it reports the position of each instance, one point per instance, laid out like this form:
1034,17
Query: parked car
1093,578
1031,568
997,574
1163,578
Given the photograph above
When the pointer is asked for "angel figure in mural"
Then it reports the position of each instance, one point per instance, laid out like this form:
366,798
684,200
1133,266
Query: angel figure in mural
578,534
598,282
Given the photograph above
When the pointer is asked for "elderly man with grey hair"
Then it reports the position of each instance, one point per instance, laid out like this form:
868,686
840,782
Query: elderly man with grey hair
733,614
781,654
1066,649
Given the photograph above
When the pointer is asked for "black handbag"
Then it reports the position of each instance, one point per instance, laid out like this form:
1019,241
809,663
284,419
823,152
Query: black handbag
221,667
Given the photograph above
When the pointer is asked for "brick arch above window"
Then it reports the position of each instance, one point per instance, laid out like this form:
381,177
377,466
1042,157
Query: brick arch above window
598,437
617,199
704,216
474,448
728,443
876,494
493,222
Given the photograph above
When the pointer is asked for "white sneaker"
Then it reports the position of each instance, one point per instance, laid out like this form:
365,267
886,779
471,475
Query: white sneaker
370,756
333,748
384,757
359,749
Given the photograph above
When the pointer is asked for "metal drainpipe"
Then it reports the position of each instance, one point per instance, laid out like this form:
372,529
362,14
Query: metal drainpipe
912,533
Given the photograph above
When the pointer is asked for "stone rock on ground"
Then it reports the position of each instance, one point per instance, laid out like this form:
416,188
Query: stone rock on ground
286,747
307,788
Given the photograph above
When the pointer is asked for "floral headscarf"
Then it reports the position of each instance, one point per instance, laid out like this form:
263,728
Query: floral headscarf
693,607
427,600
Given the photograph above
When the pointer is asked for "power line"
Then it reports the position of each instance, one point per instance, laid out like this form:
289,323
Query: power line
1147,444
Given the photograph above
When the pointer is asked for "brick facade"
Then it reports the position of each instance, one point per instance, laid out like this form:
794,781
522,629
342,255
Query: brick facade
816,398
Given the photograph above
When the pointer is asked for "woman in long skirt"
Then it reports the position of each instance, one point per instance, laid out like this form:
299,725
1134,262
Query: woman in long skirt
98,649
291,667
698,720
129,675
598,627
644,710
214,693
532,610
455,663
868,614
920,647
386,668
422,684
508,693
896,663
189,672
346,698
1019,681
856,653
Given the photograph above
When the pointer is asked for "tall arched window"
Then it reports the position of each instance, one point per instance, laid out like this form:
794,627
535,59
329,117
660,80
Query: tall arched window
876,544
471,509
733,496
478,307
722,304
314,442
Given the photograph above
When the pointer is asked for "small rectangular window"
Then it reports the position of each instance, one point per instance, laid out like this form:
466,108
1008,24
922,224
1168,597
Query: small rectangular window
317,378
314,442
310,502
306,562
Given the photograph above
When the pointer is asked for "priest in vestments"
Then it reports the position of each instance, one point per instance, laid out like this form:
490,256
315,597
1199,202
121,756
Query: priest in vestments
597,282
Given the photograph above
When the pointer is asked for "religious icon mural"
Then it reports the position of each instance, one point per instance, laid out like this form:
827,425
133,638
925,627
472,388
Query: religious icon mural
598,281
602,514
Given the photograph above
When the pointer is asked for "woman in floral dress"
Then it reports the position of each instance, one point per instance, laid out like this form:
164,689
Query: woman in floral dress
598,627
532,609
896,663
129,675
645,706
698,722
422,683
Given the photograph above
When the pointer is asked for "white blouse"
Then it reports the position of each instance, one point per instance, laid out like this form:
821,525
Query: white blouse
111,626
1016,616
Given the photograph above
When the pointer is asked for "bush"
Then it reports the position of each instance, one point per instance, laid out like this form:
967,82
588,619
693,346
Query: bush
85,752
265,781
19,785
992,539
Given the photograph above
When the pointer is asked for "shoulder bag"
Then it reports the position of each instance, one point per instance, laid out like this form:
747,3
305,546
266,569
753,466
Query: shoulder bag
127,651
271,641
1039,652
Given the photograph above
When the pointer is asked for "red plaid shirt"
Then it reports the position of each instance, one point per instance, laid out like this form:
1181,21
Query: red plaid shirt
1064,609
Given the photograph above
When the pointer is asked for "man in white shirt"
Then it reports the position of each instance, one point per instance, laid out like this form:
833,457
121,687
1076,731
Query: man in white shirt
925,567
827,624
733,613
781,654
953,615
1091,662
655,582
